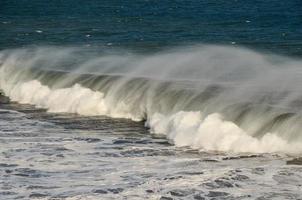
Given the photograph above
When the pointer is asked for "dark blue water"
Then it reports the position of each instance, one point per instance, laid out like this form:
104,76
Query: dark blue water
272,25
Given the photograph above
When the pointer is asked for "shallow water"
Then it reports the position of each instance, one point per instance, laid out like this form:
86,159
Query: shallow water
64,156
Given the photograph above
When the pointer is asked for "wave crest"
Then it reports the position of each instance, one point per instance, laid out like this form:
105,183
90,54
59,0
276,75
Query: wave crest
211,98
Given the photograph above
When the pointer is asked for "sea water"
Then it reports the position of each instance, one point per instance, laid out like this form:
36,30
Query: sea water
147,99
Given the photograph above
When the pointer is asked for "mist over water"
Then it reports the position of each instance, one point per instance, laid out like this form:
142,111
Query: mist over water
207,97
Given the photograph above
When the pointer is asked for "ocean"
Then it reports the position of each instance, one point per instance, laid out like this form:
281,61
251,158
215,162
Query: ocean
150,99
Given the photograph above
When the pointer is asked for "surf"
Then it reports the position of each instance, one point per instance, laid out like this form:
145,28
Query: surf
206,97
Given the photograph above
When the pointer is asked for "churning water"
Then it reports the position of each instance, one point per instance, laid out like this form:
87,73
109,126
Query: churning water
120,101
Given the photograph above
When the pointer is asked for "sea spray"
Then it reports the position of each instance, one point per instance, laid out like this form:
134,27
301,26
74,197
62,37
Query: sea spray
206,97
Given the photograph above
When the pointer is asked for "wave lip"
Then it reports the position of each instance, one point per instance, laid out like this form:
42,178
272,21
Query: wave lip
209,98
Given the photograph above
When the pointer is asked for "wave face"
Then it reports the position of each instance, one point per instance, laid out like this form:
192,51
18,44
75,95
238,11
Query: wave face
215,98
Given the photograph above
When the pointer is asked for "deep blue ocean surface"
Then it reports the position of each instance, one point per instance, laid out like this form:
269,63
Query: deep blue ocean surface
272,25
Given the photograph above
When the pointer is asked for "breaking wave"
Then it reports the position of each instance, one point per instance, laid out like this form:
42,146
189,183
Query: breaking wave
216,98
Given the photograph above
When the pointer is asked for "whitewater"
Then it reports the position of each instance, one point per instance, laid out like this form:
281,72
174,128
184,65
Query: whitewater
206,97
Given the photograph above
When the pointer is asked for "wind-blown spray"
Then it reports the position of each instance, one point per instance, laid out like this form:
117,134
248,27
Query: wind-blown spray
206,97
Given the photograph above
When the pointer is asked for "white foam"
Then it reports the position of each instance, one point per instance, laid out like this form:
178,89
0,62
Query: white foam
215,134
76,99
191,129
